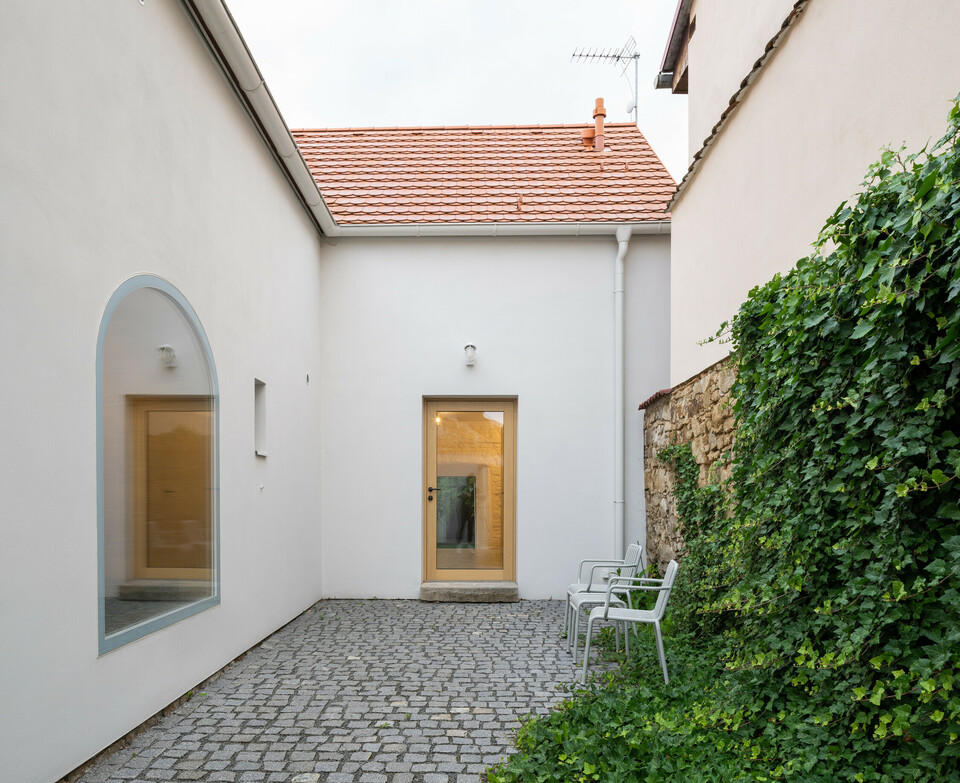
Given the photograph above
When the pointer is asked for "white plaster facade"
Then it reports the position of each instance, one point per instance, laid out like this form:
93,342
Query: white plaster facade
850,78
396,316
124,150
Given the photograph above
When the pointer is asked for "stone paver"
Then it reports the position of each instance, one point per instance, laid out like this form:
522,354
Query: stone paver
363,692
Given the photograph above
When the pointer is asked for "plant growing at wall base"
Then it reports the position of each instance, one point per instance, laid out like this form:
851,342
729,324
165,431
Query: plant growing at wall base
818,637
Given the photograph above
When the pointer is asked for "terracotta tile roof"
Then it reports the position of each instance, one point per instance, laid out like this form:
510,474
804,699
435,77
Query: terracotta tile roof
486,174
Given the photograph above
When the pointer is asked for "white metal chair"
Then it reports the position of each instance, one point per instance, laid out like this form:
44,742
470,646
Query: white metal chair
631,563
620,614
578,601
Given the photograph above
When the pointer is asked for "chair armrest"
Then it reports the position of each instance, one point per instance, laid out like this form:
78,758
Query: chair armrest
610,562
650,588
624,584
600,566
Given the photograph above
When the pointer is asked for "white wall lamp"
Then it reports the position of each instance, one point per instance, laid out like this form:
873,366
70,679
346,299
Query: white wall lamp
469,355
168,356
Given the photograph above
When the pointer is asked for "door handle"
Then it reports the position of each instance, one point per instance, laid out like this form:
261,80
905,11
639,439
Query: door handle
431,490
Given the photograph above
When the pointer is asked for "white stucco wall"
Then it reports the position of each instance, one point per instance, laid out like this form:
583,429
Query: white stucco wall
123,151
396,315
852,78
730,36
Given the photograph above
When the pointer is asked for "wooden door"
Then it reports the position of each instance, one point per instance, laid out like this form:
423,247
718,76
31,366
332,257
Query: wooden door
172,452
469,490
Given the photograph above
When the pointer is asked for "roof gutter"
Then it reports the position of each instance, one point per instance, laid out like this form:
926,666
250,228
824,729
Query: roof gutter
654,227
222,36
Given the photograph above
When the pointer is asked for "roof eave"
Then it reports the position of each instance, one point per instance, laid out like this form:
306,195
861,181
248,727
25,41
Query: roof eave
226,44
674,43
586,229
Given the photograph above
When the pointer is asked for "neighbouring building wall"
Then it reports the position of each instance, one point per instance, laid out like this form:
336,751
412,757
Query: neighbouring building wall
850,78
125,152
647,365
728,38
396,315
700,412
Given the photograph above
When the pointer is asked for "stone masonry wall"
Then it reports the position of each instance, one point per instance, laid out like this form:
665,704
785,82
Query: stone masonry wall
698,412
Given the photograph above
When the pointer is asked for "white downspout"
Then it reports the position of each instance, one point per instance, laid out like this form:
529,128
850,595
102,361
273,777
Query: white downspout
619,522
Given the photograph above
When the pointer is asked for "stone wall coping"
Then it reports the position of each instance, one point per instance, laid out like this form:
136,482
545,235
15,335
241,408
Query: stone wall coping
653,398
692,379
697,376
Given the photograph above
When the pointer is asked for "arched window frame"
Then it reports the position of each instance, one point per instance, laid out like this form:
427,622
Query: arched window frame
127,635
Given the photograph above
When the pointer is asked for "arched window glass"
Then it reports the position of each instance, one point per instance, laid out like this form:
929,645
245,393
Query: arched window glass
157,453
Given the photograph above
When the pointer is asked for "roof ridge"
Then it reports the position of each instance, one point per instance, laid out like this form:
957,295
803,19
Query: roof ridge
381,128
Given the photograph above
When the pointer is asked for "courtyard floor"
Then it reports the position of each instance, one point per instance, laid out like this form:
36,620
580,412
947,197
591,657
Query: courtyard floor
363,692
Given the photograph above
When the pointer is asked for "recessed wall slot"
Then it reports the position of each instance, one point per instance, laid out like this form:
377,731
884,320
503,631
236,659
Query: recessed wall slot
259,417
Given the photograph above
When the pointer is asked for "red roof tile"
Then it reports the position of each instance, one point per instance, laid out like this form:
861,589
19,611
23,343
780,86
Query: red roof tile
654,397
474,174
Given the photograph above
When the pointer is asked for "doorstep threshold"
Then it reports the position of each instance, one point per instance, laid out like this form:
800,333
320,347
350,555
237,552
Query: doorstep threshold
470,592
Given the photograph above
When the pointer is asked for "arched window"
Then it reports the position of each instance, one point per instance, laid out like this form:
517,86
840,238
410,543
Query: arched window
158,488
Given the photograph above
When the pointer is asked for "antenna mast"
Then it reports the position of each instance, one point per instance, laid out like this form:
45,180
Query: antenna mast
623,56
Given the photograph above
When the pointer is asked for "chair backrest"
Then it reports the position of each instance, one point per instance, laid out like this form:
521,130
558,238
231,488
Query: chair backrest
664,595
632,560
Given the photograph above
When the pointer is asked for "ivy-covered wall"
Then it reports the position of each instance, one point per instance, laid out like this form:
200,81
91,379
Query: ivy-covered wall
814,629
698,412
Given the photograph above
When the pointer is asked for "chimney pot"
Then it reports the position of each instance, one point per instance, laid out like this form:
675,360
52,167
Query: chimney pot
598,114
586,136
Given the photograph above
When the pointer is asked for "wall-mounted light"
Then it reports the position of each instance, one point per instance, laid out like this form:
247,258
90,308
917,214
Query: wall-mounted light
470,355
168,356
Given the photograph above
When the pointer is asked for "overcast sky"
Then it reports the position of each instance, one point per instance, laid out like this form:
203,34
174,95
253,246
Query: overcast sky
353,63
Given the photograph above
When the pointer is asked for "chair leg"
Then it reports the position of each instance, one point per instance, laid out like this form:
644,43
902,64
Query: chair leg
575,642
586,651
636,626
663,660
626,626
572,633
626,640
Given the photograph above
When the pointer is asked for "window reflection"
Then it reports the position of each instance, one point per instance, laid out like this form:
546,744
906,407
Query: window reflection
470,496
158,469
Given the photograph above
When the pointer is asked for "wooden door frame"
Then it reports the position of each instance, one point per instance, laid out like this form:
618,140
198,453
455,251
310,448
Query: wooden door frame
138,405
428,532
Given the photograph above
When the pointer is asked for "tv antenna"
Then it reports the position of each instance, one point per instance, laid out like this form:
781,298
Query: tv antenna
622,57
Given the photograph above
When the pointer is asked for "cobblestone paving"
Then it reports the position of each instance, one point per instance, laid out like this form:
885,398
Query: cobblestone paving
363,692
